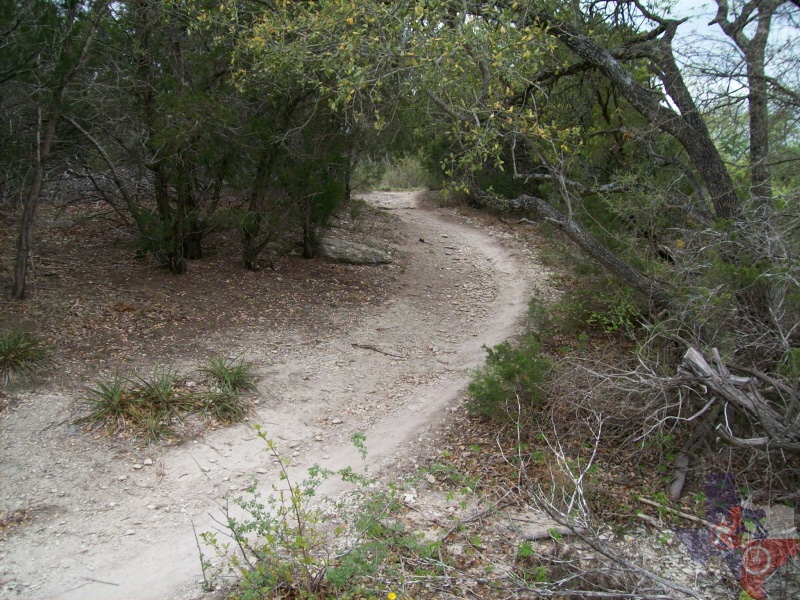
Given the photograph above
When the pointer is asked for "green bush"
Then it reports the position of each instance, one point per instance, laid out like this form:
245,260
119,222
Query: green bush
513,376
618,313
21,354
283,543
288,543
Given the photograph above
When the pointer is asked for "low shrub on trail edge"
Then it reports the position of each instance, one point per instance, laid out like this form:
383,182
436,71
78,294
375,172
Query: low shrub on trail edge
512,379
21,354
153,406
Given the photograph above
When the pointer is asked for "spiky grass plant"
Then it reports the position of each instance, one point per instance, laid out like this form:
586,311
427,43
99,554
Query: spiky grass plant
234,375
153,405
21,354
112,404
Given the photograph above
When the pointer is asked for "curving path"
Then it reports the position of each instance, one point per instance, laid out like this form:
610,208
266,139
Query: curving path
120,532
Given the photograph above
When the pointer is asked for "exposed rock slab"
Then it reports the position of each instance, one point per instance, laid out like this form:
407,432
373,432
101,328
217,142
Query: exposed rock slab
352,253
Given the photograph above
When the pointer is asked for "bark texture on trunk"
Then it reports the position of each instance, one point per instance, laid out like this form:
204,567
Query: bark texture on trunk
686,126
44,144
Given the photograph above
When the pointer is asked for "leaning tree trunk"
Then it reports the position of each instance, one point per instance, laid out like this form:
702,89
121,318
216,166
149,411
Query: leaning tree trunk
586,241
687,126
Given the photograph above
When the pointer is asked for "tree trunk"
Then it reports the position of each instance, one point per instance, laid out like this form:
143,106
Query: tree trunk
193,242
19,285
636,279
754,51
43,146
309,240
687,127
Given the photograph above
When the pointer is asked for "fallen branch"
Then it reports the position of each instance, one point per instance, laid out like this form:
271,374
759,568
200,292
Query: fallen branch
371,347
678,513
551,532
742,393
650,520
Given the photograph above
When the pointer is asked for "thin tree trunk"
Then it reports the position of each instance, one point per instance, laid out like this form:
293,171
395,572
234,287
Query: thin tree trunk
754,51
44,144
19,285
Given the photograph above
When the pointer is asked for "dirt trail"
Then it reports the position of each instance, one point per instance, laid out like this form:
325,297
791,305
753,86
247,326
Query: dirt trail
106,529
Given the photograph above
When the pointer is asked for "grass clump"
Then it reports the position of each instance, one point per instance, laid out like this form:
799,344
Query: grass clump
153,406
232,375
112,404
21,354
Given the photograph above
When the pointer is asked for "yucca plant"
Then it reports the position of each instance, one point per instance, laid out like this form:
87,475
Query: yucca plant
21,353
225,406
112,404
234,375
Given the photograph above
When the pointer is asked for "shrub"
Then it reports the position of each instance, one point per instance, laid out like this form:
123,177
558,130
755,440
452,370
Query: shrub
282,543
21,354
512,377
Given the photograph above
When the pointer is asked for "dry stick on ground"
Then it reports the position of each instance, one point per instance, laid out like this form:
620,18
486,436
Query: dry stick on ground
683,515
371,347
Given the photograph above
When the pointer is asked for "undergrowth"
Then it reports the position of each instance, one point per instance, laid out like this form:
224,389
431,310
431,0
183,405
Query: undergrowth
512,379
294,542
407,172
152,406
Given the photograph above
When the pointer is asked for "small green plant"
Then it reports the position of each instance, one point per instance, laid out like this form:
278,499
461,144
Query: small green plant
233,375
112,404
525,550
21,354
512,379
152,405
283,544
618,313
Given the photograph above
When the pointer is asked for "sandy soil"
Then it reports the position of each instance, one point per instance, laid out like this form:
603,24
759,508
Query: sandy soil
111,522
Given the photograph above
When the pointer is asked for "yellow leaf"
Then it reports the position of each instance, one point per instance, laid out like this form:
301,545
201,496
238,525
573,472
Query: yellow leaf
350,21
